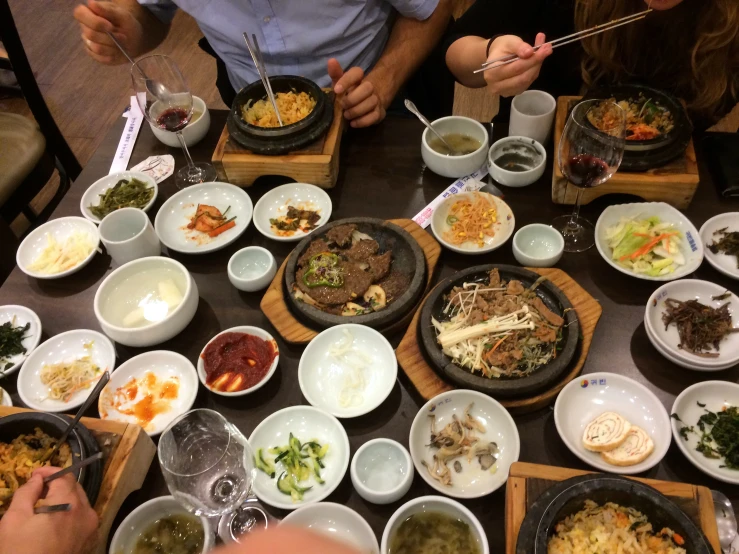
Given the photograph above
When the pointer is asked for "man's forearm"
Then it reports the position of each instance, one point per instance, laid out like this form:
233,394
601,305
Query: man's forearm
154,31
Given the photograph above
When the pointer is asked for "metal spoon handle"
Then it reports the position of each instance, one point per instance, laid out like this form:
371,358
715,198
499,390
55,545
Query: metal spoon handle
123,51
52,509
74,467
414,110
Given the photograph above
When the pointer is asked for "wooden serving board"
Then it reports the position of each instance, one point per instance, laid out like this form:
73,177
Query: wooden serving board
429,383
674,183
526,482
128,452
294,331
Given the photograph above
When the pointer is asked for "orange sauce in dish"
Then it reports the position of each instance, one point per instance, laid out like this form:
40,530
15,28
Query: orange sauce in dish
142,399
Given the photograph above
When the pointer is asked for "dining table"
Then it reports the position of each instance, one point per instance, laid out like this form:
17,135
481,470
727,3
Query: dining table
381,175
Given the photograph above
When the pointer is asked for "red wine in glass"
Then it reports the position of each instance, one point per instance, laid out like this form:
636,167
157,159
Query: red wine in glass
173,119
585,171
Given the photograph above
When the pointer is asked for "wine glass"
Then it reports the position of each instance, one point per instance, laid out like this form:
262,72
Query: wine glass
588,157
207,463
170,109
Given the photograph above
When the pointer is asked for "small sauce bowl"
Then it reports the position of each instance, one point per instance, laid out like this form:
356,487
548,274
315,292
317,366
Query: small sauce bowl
538,245
382,471
252,268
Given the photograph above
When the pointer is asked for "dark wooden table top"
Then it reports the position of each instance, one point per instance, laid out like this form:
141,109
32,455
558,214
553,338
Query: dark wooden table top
382,175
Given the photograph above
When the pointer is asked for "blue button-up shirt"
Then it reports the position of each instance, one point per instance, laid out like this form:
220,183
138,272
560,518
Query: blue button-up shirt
296,37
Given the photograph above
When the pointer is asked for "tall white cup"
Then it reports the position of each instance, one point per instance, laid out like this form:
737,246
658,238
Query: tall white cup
532,115
129,235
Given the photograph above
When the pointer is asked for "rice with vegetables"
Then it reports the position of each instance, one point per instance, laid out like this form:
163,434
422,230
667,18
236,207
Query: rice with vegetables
646,118
292,106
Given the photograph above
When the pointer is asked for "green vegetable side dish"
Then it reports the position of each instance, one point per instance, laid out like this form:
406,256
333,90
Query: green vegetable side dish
299,460
11,342
726,242
324,270
124,194
647,246
719,435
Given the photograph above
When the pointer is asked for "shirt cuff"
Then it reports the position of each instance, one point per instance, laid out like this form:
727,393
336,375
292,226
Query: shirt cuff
163,10
416,9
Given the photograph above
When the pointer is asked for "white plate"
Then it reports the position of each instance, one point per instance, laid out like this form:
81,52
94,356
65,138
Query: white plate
164,364
585,398
336,521
722,262
255,331
61,229
472,481
174,215
715,395
503,227
22,315
691,245
64,347
305,423
323,376
300,195
93,192
680,362
668,339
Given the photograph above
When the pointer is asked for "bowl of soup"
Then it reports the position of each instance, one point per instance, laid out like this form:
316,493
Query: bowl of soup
146,301
468,140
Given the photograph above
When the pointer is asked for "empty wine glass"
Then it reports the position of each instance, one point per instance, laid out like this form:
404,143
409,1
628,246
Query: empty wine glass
207,463
170,110
588,156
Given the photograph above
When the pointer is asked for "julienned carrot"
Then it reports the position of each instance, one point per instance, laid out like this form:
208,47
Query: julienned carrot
647,247
222,229
497,344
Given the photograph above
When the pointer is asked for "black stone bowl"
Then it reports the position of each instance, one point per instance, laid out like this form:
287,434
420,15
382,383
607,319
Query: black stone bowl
540,379
408,258
568,497
275,141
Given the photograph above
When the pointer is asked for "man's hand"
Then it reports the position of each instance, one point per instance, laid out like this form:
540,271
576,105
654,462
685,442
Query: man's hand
362,102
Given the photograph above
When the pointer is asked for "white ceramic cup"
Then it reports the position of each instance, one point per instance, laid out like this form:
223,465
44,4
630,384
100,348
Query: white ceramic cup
129,235
532,115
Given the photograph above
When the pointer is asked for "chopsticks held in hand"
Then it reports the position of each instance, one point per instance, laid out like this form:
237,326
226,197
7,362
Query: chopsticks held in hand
256,56
574,37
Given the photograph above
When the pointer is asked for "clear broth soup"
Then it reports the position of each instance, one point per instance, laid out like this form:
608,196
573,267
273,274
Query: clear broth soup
462,144
433,533
175,534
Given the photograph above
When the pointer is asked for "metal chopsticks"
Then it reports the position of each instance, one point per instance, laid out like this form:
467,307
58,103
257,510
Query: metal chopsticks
256,56
574,37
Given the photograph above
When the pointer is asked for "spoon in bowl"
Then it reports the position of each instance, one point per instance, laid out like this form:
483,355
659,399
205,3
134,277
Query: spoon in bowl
414,110
725,519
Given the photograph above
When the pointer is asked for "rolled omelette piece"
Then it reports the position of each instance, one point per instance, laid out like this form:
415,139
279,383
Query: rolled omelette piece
635,449
605,432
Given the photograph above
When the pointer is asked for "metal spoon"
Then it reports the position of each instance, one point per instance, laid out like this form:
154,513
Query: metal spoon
412,108
155,88
725,519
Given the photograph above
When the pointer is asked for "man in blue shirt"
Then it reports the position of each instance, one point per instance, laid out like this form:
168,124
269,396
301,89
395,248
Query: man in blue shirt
382,42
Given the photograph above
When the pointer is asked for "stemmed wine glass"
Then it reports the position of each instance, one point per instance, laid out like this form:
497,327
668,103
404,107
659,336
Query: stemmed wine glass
588,157
171,110
207,463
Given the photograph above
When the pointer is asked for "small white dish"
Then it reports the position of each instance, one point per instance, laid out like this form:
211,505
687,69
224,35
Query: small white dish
538,245
678,361
254,331
143,516
382,471
305,423
337,522
165,365
193,133
503,227
299,195
437,504
61,229
6,399
93,192
472,481
584,399
716,395
721,262
175,214
691,245
252,268
522,146
323,376
455,166
19,316
64,347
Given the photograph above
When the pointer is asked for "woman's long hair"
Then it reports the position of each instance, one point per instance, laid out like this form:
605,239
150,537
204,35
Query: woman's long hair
694,51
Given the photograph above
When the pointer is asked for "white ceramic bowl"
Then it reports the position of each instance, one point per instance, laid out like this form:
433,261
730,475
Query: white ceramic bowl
584,399
62,348
515,178
322,376
305,423
174,215
154,333
193,133
61,229
164,364
336,521
299,195
437,504
382,471
503,227
721,262
252,268
145,515
691,245
716,395
472,481
538,245
19,316
455,166
679,361
254,331
93,192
